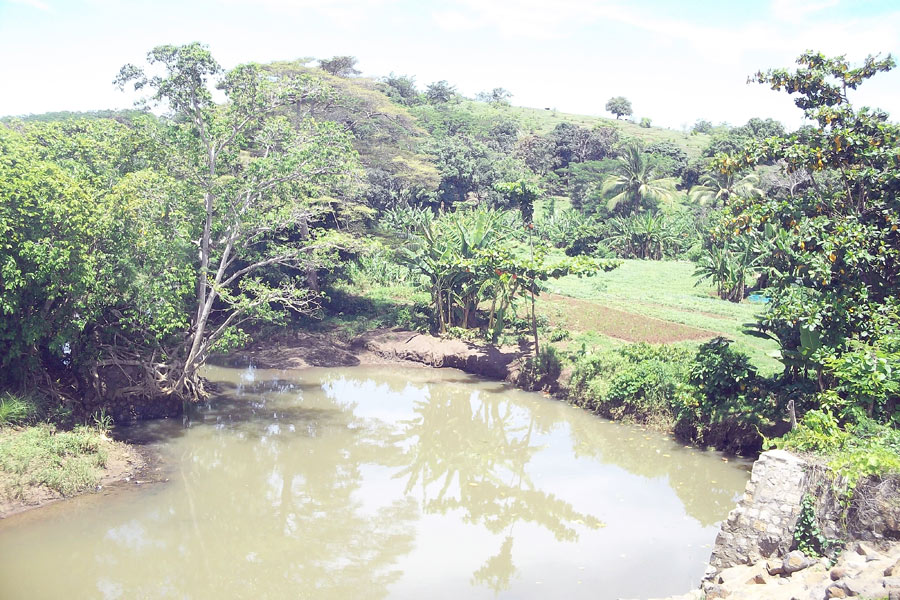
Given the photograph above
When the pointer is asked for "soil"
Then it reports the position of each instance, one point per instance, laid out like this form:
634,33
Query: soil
584,315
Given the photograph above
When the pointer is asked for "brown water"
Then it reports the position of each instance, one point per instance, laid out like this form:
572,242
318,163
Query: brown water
383,483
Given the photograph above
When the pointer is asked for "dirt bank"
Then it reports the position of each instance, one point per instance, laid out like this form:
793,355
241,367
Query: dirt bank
382,346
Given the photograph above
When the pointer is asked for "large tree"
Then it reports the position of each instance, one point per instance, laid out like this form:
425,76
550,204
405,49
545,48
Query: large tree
831,247
619,106
255,178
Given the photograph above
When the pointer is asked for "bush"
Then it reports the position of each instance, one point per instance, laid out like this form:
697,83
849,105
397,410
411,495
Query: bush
559,334
862,450
547,364
722,375
638,381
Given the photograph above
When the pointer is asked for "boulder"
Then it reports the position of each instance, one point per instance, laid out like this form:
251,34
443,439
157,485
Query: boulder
867,550
835,591
774,567
893,570
796,561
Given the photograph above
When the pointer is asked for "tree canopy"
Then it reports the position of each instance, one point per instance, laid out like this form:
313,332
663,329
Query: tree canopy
619,106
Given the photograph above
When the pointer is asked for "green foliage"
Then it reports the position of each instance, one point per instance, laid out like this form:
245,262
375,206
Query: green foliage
808,536
634,185
729,263
670,159
647,235
638,381
466,258
865,380
547,364
701,126
722,374
521,193
619,106
828,243
862,450
646,122
15,409
339,66
818,432
559,334
258,185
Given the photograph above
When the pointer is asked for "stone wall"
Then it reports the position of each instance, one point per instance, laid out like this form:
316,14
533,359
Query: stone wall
762,525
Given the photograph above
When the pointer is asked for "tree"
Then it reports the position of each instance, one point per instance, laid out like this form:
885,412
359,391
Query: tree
340,66
467,168
521,193
579,144
722,186
619,106
634,184
702,126
498,96
256,180
670,158
831,253
440,92
402,89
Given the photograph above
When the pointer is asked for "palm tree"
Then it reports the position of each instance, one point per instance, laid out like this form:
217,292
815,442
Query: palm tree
724,186
634,183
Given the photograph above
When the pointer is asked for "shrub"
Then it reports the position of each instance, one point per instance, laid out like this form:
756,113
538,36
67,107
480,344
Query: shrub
547,364
639,381
559,334
722,375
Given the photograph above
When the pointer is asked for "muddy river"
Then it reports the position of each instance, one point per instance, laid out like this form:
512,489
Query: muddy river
382,482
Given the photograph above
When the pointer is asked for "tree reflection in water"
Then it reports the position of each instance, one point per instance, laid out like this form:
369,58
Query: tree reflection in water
470,454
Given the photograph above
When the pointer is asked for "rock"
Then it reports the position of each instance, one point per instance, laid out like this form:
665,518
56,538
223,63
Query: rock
893,571
894,594
837,572
774,567
835,591
757,579
714,590
864,587
891,582
866,549
795,561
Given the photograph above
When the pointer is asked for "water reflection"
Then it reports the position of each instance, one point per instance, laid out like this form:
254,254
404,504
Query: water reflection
470,455
377,483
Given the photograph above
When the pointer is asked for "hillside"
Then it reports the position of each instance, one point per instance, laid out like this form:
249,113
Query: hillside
542,121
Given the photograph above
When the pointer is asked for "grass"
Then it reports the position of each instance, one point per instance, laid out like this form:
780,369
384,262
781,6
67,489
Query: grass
66,462
665,290
16,410
541,121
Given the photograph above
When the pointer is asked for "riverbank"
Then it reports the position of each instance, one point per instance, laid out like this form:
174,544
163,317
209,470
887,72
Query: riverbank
40,465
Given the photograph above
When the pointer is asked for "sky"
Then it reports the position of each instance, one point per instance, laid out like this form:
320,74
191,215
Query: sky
677,61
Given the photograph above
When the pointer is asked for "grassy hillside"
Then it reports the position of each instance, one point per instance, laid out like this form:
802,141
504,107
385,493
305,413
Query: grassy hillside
541,121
